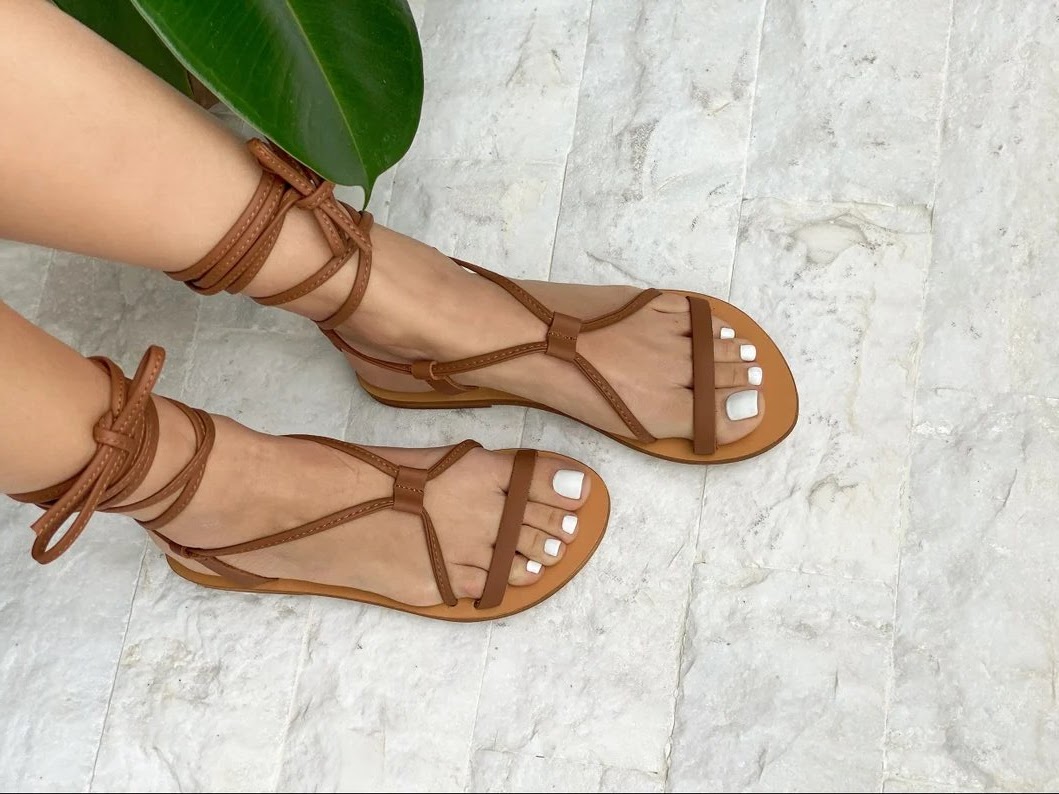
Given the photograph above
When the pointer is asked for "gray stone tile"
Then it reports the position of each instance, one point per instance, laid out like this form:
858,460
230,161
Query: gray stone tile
993,313
201,697
900,786
496,771
385,702
275,383
655,175
499,215
589,675
974,701
840,289
847,101
502,79
102,308
62,633
783,684
630,780
23,269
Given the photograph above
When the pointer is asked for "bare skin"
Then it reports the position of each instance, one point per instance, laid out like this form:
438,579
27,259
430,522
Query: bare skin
96,145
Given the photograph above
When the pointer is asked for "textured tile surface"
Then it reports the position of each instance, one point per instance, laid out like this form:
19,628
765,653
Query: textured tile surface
869,606
503,79
993,315
844,112
974,700
783,683
655,175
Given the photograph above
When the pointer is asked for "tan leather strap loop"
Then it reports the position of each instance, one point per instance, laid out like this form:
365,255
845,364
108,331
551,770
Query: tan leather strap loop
562,336
127,438
424,370
320,194
409,489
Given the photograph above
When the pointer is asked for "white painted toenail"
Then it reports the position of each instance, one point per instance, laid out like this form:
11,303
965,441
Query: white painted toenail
569,524
754,376
533,566
741,405
568,483
727,333
747,352
551,547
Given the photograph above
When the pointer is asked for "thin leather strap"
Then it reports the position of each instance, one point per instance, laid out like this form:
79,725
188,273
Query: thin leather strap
238,257
508,532
127,438
409,493
704,435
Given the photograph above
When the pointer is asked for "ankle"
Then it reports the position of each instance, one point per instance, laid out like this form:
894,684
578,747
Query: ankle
176,446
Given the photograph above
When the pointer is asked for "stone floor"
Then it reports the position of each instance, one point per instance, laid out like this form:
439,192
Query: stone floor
872,606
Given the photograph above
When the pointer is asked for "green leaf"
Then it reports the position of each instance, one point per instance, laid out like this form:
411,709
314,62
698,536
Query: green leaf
121,24
336,83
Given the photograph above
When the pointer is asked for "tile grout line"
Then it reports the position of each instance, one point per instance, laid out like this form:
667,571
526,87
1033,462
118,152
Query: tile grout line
295,681
573,135
891,678
697,527
668,753
117,668
746,153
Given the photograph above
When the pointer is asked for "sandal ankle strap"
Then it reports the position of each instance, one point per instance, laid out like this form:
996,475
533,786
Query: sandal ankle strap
127,439
239,256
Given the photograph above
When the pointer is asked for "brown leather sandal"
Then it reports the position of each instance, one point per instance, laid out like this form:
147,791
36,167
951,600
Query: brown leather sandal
285,183
127,438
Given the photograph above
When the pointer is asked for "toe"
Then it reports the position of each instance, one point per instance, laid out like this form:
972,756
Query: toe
559,482
538,545
733,351
739,412
466,581
555,521
524,571
721,329
728,375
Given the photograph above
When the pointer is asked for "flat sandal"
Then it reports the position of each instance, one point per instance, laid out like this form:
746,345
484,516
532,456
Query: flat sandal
127,439
285,183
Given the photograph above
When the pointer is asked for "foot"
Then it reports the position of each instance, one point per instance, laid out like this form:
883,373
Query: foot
420,305
256,484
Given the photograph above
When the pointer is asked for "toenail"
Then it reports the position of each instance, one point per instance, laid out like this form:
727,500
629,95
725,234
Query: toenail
568,483
727,333
533,566
569,524
741,405
754,376
551,547
747,352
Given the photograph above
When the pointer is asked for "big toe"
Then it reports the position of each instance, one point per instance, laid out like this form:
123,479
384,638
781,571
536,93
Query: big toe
739,411
559,482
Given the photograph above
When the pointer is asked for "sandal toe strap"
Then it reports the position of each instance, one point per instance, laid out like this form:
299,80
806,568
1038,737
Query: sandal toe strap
510,526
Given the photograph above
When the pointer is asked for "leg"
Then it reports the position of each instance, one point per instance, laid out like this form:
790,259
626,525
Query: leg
97,144
255,485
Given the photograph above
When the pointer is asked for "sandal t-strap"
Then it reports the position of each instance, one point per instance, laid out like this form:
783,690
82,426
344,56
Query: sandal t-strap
127,439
